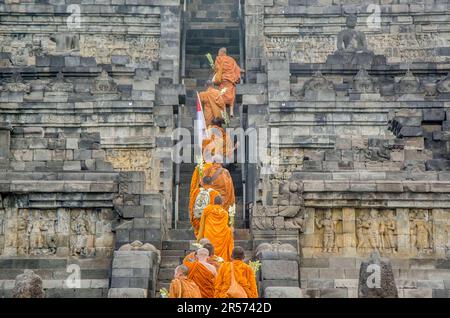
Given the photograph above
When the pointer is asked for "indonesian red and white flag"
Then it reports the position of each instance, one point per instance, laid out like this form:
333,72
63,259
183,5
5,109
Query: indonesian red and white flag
201,123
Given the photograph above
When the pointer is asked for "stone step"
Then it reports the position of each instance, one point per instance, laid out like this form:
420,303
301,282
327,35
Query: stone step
171,261
185,244
178,253
187,234
214,25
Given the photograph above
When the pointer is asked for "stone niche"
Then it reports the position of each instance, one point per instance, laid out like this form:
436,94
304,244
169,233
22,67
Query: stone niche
56,232
400,232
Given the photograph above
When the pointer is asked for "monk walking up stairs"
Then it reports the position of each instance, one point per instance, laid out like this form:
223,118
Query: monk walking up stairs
192,257
203,273
215,226
199,199
236,279
183,287
227,75
212,102
219,179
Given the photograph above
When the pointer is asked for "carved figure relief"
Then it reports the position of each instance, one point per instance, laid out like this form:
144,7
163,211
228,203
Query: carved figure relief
132,160
421,236
376,230
74,232
329,231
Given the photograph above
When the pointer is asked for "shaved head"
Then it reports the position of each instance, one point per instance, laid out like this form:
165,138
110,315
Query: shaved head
181,270
202,254
223,51
204,241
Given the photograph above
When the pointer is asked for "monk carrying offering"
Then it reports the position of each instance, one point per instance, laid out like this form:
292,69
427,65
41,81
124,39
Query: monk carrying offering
183,287
219,178
198,200
214,225
236,279
227,75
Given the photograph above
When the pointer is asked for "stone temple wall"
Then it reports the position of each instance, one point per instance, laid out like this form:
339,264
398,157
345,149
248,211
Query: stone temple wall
87,95
362,138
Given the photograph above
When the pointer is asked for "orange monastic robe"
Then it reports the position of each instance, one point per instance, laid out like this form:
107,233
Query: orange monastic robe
195,180
244,276
214,226
184,288
194,221
221,182
213,104
203,277
213,260
219,142
228,74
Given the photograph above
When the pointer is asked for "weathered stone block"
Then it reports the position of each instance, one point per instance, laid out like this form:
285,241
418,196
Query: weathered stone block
279,269
283,292
127,293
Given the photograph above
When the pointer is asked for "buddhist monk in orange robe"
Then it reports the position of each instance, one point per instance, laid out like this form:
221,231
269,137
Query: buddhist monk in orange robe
218,142
214,225
192,257
195,222
213,259
196,176
183,287
212,102
203,273
243,274
219,178
227,75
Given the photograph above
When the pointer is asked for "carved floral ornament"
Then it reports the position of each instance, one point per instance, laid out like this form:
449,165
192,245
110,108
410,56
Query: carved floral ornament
364,83
104,84
16,84
59,84
318,82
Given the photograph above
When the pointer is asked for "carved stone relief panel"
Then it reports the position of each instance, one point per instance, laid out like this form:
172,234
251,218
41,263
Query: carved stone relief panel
376,229
23,48
61,232
397,47
142,50
397,232
134,160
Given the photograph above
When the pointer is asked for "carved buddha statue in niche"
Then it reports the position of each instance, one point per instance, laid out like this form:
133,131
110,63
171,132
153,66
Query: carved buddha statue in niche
351,40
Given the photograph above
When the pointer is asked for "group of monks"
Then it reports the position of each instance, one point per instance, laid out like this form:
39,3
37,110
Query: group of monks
217,268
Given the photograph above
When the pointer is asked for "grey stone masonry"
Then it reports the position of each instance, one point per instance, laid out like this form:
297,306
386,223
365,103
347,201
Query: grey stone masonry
279,269
135,269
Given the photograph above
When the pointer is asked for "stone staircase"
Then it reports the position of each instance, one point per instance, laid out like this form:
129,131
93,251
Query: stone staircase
211,25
